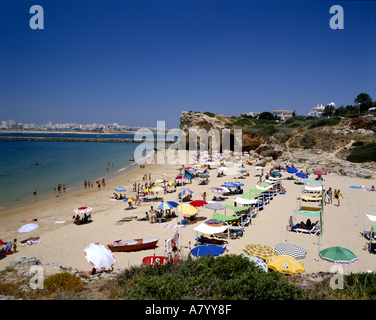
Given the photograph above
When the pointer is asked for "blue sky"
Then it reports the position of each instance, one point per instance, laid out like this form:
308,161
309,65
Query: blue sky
137,62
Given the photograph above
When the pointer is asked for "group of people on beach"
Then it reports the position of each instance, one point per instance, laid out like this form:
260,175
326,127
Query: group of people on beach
329,196
157,215
85,219
90,184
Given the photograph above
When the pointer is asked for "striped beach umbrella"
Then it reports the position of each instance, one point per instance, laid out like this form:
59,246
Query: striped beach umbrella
338,255
185,191
290,249
165,206
260,251
129,200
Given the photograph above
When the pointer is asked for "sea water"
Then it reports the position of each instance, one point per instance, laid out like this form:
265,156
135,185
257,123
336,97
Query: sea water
65,163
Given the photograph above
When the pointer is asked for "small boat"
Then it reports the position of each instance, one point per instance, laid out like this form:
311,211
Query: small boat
159,260
132,245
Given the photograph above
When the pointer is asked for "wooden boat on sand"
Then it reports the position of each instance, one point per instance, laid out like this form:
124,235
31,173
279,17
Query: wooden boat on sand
132,245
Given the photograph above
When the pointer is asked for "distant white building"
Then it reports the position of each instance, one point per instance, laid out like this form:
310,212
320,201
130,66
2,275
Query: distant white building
283,114
318,110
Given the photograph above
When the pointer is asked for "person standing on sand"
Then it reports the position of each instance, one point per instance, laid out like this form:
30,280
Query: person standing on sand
15,245
329,195
339,196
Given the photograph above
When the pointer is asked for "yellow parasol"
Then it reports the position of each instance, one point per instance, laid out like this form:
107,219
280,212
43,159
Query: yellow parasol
187,209
286,265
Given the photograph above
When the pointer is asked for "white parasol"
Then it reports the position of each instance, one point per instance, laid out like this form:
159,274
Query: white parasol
99,256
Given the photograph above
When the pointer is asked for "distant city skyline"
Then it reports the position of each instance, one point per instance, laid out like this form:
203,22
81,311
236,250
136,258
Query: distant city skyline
138,62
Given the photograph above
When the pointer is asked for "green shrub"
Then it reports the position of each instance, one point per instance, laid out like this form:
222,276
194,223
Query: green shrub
358,143
210,114
325,122
363,153
308,140
63,282
283,135
226,277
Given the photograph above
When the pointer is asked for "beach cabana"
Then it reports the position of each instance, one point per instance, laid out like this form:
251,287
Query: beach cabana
369,234
204,228
225,219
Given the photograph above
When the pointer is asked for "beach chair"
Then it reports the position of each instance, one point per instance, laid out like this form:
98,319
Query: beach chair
315,229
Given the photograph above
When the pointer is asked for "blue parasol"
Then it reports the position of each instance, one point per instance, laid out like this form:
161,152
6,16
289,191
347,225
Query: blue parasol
301,175
292,170
207,249
120,189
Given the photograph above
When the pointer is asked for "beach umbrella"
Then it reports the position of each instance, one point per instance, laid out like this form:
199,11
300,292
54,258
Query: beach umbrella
338,255
276,174
157,189
159,181
286,265
148,190
83,210
120,189
228,185
238,184
257,261
292,170
129,200
180,177
28,227
203,175
242,170
321,172
198,203
260,251
301,175
220,190
221,169
172,203
164,206
290,249
214,206
185,191
187,209
207,249
99,256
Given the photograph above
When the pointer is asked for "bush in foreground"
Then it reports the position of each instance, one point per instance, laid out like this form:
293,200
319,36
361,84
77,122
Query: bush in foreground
228,277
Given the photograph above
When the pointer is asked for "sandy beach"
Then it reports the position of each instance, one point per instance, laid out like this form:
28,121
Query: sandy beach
63,241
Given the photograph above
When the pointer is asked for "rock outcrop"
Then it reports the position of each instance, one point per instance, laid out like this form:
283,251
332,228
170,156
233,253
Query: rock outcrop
196,120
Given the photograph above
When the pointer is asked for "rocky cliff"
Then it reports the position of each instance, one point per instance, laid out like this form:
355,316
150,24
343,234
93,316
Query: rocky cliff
330,148
197,120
